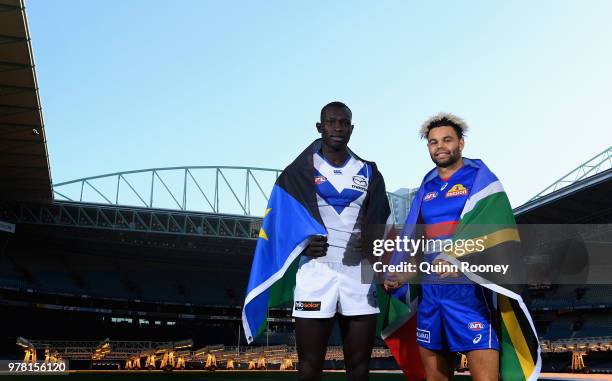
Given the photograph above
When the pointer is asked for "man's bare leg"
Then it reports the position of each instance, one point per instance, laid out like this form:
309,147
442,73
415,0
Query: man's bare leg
484,364
438,365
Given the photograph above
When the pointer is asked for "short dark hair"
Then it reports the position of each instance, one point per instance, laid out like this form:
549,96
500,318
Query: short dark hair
334,104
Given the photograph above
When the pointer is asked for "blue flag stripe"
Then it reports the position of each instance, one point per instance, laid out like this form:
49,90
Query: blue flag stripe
256,301
287,225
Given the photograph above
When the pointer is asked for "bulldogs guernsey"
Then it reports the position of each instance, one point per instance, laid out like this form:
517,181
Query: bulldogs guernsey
340,194
454,314
441,210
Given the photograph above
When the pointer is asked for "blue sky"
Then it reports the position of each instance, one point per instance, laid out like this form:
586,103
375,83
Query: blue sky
140,83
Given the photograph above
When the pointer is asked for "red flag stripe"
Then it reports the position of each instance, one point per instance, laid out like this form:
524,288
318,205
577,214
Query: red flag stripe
406,351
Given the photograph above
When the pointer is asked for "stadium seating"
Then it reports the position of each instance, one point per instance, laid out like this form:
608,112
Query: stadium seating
559,328
98,274
595,326
572,297
599,294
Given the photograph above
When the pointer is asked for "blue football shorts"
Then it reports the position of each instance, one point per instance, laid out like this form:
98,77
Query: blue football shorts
456,318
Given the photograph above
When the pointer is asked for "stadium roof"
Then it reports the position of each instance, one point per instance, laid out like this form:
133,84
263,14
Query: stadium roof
24,161
580,196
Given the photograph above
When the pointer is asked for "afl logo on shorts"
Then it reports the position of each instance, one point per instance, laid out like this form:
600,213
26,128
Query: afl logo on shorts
430,196
320,179
457,190
476,326
307,306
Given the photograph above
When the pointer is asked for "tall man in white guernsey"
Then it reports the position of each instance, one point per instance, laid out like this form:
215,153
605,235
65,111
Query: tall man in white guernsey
329,286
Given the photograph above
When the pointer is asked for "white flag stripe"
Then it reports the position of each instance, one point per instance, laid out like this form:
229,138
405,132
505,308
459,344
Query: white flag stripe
494,187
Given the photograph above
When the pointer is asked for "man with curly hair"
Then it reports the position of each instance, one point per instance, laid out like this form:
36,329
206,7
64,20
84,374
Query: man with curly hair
454,314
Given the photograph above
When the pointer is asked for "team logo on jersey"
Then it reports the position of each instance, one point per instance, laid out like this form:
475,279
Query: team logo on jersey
423,335
307,306
320,179
337,171
360,180
457,190
360,183
475,326
430,196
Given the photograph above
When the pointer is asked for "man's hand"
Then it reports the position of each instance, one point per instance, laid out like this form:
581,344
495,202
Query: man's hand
446,264
391,283
317,246
397,279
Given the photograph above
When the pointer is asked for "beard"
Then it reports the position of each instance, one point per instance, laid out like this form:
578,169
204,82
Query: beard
453,157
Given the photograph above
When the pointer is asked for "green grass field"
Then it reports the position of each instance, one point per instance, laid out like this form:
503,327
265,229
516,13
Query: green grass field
200,375
232,375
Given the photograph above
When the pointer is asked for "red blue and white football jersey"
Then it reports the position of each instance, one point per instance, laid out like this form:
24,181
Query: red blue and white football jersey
454,314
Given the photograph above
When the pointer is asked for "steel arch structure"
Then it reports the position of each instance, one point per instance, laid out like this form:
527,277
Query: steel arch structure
228,190
131,219
597,164
188,188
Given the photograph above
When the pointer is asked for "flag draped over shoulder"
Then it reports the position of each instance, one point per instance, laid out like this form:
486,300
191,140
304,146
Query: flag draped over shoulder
291,217
487,216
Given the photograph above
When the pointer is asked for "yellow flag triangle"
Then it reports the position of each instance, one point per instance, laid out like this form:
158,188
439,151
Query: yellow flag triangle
262,233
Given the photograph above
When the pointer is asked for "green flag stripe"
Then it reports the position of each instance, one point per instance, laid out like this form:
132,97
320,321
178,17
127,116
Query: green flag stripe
382,298
518,337
393,312
397,309
499,211
281,291
510,366
528,334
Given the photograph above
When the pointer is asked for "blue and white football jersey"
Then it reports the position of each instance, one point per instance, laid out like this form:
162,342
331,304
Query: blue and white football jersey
341,192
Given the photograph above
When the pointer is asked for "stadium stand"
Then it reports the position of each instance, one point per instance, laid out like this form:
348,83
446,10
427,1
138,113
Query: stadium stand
573,297
149,276
594,326
574,320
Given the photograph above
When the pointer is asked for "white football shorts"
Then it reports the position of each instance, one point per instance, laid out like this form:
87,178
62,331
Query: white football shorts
323,289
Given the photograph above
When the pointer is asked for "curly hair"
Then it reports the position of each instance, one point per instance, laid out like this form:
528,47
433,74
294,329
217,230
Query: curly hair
444,119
